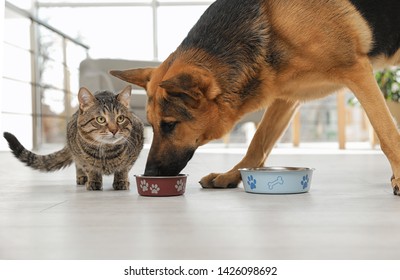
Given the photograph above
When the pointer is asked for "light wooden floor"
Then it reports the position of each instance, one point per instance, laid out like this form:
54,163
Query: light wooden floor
350,213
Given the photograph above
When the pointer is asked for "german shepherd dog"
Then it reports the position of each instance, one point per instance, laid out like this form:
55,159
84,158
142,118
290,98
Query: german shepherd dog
243,55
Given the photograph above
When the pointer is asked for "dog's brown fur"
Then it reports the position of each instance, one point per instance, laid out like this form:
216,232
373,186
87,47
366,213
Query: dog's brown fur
299,50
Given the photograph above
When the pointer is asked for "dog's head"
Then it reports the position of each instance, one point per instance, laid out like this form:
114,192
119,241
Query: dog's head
183,110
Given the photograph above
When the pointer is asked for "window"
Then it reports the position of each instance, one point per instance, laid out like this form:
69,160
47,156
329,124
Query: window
40,65
16,95
137,30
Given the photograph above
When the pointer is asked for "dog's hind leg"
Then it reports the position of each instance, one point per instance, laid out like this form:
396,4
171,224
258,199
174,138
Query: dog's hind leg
273,124
361,81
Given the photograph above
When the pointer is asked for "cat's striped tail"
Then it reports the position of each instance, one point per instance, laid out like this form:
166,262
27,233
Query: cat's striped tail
47,163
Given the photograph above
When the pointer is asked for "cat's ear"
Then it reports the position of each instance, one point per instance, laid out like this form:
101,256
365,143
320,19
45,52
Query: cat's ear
124,96
86,98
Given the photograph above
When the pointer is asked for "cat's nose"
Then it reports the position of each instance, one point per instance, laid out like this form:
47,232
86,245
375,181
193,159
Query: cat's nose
113,129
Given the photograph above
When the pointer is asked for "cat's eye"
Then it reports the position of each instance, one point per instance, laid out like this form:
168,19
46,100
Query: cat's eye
101,120
120,119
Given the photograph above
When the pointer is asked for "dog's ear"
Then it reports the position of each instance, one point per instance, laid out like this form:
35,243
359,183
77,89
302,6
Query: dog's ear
139,77
194,86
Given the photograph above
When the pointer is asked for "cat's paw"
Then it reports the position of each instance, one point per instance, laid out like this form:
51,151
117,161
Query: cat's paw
81,180
121,185
94,186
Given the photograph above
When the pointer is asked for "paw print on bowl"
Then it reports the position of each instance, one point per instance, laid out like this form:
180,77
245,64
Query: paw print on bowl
305,181
154,188
144,185
161,185
179,185
251,181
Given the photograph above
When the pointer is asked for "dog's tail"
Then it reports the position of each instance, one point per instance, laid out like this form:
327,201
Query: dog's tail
46,163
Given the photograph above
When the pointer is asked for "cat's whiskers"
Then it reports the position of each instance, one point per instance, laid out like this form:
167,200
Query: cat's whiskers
129,141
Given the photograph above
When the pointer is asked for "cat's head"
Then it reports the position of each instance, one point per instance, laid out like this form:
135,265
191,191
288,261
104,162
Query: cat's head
104,117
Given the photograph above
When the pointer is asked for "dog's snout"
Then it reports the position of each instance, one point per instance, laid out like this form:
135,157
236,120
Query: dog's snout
159,170
169,164
152,169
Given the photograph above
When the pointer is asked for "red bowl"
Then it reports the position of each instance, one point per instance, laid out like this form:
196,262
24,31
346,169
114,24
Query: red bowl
161,185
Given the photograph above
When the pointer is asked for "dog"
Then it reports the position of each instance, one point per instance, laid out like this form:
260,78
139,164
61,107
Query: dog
242,56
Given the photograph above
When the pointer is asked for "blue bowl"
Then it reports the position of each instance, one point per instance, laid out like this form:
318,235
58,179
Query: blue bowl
276,180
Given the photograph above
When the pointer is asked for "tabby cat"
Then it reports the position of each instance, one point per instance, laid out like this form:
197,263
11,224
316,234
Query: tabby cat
103,137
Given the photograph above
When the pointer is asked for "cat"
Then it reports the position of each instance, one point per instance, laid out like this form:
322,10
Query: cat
103,138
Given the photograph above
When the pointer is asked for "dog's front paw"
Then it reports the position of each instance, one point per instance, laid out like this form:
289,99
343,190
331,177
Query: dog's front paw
221,180
206,181
396,185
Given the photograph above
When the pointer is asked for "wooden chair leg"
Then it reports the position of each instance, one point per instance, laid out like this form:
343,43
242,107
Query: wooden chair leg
296,124
341,112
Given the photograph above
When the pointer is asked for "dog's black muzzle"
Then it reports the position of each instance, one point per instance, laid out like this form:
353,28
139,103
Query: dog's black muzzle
169,164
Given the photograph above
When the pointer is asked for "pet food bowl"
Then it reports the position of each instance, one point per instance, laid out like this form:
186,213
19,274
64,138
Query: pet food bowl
276,180
161,185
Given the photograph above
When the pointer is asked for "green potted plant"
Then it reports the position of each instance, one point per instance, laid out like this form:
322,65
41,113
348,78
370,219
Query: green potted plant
389,83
